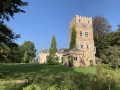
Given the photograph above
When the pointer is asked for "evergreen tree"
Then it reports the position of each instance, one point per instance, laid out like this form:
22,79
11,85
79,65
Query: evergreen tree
73,38
52,58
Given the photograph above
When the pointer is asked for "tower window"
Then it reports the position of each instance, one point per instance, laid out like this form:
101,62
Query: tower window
81,46
86,34
80,33
84,26
75,58
86,59
79,20
87,46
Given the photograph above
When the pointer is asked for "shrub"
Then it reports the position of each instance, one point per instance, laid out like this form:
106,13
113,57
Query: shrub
70,61
91,62
32,87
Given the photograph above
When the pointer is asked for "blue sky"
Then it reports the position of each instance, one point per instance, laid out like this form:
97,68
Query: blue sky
45,18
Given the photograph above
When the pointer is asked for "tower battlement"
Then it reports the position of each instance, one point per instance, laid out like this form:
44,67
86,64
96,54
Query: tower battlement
82,17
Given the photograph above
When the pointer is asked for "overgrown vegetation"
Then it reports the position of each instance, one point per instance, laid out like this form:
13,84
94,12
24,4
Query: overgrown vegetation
56,77
70,61
73,38
91,62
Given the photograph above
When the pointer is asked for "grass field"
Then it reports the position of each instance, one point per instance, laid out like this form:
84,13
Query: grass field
27,71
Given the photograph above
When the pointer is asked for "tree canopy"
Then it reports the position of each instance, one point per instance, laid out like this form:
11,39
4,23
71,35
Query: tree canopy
52,57
27,51
9,7
7,41
101,28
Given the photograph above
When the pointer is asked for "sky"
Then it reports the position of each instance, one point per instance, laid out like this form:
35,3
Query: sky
45,18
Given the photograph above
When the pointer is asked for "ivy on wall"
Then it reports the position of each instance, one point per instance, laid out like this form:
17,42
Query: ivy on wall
70,61
73,38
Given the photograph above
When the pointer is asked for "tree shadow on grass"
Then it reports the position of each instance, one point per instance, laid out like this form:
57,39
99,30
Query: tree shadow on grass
23,71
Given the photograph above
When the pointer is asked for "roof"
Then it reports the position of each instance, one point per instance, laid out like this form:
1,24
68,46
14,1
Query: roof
60,51
75,49
47,51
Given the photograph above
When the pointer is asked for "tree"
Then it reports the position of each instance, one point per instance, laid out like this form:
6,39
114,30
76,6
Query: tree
27,50
9,7
13,55
73,38
112,55
52,57
7,41
101,28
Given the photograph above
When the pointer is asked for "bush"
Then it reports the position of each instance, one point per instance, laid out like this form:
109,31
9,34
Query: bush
70,61
52,61
32,87
91,62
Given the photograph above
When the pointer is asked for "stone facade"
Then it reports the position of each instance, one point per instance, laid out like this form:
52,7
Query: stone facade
42,56
85,49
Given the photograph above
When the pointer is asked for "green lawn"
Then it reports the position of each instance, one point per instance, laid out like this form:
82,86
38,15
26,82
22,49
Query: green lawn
25,71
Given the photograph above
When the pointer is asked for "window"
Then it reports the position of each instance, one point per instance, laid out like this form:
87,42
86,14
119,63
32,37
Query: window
83,26
80,33
81,46
88,22
86,34
75,58
87,46
79,20
86,59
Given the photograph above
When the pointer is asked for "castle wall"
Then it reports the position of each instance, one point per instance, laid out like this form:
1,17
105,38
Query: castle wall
84,25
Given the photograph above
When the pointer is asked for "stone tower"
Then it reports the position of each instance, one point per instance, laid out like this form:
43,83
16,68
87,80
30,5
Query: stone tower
84,37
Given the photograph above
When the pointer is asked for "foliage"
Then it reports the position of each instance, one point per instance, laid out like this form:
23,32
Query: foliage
52,57
10,7
91,62
7,41
70,61
27,51
59,77
112,55
32,87
73,38
13,55
101,28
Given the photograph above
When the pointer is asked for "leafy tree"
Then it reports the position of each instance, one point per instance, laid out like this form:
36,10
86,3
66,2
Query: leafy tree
26,57
112,55
9,7
52,57
27,50
101,28
7,41
73,38
13,55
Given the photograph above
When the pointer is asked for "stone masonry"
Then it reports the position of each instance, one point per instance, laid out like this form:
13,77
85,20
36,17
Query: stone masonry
85,49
